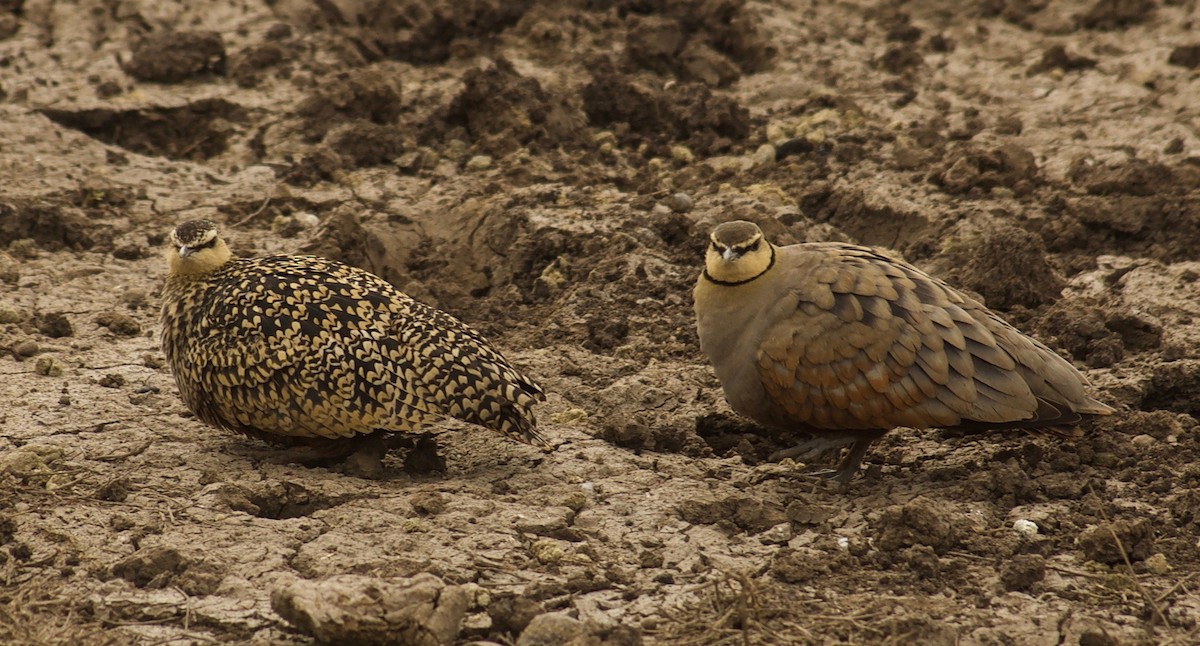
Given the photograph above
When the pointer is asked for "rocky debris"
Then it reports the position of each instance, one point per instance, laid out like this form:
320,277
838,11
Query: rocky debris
356,609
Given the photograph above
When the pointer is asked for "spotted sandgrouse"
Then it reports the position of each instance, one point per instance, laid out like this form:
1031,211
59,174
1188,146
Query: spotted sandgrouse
300,350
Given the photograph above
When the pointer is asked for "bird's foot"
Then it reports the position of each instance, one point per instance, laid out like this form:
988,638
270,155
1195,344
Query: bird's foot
422,457
813,448
367,461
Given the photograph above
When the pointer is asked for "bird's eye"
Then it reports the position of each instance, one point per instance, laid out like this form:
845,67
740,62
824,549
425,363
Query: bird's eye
755,246
719,248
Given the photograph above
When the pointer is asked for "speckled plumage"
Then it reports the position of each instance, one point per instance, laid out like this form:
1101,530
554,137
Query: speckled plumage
834,338
302,350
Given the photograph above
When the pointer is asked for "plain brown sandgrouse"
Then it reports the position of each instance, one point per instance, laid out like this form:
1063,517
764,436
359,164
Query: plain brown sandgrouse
847,342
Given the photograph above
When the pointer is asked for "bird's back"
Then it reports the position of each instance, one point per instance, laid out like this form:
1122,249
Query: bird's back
293,347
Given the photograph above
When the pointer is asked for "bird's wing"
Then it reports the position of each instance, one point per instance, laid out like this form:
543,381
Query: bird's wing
316,363
875,343
457,370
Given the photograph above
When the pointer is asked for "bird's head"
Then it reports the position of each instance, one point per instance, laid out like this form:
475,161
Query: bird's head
737,253
196,248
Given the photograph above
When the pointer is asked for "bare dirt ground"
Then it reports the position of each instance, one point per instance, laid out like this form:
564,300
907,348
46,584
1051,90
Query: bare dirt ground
547,171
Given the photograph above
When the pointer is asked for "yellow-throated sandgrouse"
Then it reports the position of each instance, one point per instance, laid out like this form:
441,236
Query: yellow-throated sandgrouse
846,342
304,351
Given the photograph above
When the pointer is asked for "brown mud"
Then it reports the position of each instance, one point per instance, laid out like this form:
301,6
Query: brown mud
547,171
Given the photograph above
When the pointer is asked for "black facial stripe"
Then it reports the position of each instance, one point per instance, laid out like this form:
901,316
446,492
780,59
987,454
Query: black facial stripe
744,249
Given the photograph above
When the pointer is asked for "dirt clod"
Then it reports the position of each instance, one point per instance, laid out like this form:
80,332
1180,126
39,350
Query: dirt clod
1117,14
119,323
1185,56
349,608
1022,572
501,111
174,56
1104,542
151,567
1004,264
511,614
54,325
975,170
551,629
920,521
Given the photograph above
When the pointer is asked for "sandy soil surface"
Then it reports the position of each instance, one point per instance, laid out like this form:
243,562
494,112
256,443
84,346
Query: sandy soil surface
547,172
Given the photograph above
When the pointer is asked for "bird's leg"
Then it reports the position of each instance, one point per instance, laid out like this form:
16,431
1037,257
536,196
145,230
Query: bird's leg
852,461
422,456
367,459
858,441
814,447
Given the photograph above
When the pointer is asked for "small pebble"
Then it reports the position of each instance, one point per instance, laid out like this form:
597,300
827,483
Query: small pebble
680,202
1157,564
551,629
47,367
479,162
26,348
9,315
1025,527
112,380
779,534
682,154
1143,440
119,324
765,154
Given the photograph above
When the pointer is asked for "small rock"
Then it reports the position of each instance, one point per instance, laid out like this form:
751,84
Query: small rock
26,348
764,154
1025,527
682,154
479,162
130,252
1158,564
9,315
356,609
1137,539
151,567
112,380
172,56
118,323
1022,571
923,561
429,503
551,629
30,461
1185,56
680,202
54,325
920,521
549,551
513,614
779,534
9,273
26,248
573,500
47,367
1095,637
1143,441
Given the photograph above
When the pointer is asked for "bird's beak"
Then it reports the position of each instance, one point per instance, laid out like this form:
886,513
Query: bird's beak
729,254
185,251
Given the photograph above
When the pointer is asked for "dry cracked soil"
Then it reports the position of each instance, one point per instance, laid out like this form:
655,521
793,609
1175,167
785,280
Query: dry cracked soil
547,172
